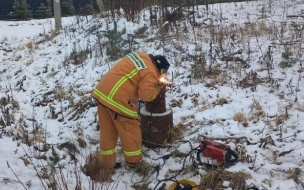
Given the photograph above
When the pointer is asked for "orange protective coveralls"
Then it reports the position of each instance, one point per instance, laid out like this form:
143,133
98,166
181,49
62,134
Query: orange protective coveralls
134,77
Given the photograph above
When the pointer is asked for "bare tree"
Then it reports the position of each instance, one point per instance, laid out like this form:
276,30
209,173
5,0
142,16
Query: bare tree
100,5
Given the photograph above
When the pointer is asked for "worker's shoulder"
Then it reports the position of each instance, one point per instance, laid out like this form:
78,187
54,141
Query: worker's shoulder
142,61
141,53
145,57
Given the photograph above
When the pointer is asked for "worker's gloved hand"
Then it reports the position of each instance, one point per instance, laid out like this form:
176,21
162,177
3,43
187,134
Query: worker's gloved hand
164,81
158,87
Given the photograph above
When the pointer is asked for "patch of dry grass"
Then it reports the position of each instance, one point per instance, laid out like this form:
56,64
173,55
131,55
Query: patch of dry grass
48,37
76,58
241,118
96,170
214,179
257,111
295,174
143,169
221,101
176,133
176,103
143,186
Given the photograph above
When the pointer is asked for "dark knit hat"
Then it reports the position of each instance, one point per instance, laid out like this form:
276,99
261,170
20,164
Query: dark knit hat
161,62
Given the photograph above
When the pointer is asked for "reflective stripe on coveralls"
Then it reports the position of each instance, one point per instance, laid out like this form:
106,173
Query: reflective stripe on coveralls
115,104
112,151
133,153
107,152
137,61
121,81
139,64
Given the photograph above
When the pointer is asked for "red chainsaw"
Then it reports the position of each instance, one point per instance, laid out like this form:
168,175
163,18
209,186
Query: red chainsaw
212,153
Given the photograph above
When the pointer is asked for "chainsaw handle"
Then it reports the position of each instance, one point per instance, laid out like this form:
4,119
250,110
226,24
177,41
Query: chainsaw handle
236,157
199,151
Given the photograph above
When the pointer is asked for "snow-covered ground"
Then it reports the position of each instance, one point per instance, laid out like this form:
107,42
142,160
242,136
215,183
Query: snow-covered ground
41,93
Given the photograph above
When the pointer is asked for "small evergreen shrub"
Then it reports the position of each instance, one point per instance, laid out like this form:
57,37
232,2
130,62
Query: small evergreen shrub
88,9
21,10
67,7
288,59
42,12
115,45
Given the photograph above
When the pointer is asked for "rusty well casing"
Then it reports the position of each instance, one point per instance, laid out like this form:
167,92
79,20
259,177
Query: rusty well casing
158,105
156,121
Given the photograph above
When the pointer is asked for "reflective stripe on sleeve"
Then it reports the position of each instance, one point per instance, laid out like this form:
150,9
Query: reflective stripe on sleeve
121,81
137,61
115,104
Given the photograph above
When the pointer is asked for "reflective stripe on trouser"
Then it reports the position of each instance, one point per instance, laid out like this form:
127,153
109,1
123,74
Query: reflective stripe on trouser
128,131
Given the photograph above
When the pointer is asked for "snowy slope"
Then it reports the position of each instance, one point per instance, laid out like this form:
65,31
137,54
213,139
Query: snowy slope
41,93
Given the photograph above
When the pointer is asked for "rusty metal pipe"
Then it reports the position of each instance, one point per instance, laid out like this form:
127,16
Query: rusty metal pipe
158,105
156,121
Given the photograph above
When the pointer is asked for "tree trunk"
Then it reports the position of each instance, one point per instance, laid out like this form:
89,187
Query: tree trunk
100,5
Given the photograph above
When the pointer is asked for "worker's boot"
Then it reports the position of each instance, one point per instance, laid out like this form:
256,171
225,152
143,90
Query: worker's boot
117,165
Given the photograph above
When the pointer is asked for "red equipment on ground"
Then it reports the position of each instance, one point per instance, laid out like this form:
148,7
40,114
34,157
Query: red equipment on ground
214,153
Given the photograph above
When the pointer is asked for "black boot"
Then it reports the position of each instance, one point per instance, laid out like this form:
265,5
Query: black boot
117,165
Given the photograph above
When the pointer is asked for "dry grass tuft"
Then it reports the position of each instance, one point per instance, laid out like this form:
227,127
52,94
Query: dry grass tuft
30,137
220,102
30,45
96,170
53,34
176,103
256,104
18,57
177,154
76,58
141,31
257,111
82,143
68,146
176,133
241,118
213,179
143,169
143,186
25,160
295,174
48,37
280,120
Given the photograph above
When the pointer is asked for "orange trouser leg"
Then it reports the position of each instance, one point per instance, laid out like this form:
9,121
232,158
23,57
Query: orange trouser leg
108,135
130,136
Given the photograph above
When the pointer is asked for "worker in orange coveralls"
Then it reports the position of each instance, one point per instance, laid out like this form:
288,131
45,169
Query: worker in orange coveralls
136,76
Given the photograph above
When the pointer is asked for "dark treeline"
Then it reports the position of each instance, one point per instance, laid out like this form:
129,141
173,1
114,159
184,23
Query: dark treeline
72,7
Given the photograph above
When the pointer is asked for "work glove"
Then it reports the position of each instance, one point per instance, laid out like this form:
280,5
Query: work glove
156,92
158,88
165,82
